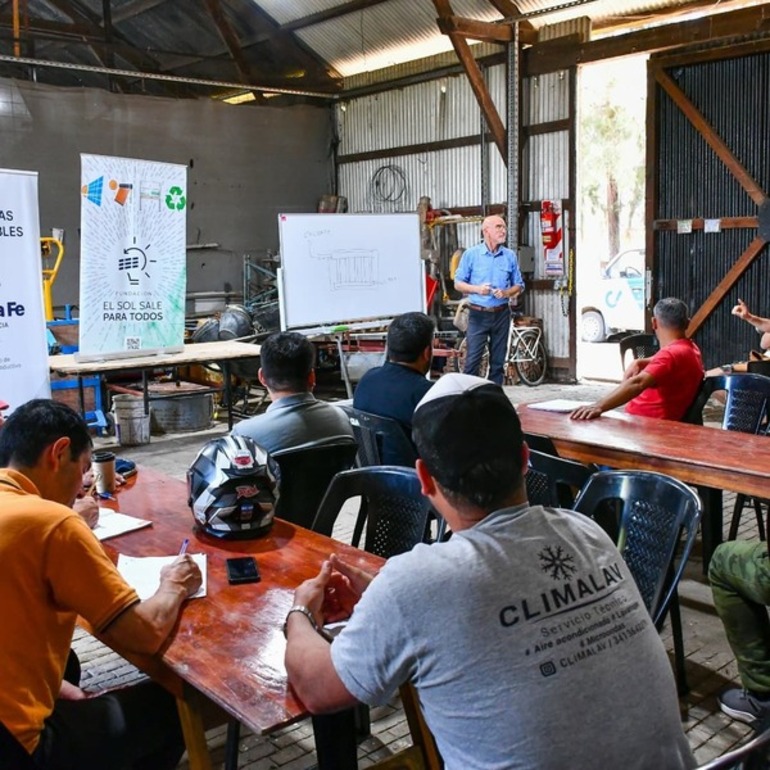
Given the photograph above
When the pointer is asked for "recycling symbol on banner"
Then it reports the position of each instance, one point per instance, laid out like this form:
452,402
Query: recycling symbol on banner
175,199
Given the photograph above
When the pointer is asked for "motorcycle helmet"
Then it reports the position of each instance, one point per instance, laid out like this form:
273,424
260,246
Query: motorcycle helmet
233,488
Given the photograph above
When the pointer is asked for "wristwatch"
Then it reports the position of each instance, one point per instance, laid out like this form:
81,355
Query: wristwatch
306,612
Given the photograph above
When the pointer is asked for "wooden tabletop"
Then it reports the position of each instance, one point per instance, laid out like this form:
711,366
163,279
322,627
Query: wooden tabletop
195,353
692,453
229,646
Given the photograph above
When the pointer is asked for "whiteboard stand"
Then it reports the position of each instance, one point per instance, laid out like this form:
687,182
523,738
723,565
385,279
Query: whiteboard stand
344,367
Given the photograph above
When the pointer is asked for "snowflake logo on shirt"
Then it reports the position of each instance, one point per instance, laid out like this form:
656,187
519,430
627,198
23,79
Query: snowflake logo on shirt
557,563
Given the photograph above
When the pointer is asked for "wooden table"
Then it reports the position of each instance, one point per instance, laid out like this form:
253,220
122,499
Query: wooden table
222,353
707,457
228,647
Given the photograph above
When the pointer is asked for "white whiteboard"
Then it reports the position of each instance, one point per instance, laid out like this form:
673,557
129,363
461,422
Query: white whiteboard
340,268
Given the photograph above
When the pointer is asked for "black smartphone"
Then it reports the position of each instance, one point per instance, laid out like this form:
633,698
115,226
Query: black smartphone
242,570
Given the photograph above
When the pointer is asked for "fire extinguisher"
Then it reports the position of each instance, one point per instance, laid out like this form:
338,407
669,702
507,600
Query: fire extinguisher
548,224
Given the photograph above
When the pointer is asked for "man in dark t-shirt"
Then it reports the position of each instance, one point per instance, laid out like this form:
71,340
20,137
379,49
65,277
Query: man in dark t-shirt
394,389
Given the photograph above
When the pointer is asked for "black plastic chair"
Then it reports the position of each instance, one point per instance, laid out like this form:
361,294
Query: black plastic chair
13,756
555,481
640,345
540,443
305,476
747,409
649,515
754,755
394,509
381,440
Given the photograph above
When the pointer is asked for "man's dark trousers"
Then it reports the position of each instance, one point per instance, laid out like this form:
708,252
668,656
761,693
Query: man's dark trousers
483,326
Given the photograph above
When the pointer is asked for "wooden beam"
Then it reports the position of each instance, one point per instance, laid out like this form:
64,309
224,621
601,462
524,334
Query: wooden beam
733,274
553,55
710,136
476,80
698,223
510,10
477,30
230,39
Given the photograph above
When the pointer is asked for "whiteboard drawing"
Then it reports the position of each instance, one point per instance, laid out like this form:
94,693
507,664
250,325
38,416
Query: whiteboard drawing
349,267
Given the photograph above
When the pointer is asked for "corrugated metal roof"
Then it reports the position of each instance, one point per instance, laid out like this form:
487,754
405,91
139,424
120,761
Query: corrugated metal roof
300,44
377,37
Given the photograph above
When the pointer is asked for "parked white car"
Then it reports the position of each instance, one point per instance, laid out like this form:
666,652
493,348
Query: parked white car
616,302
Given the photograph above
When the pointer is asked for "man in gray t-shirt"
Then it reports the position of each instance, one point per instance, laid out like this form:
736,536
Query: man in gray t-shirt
295,418
524,635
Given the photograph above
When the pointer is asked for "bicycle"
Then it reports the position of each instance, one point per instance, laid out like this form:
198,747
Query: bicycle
525,355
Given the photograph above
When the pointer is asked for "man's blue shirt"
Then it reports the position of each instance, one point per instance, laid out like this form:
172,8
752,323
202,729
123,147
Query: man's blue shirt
499,269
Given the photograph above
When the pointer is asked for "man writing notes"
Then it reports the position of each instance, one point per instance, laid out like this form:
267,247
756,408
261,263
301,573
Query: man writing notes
489,274
524,634
664,385
52,569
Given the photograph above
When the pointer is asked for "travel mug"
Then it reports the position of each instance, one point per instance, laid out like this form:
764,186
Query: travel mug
103,468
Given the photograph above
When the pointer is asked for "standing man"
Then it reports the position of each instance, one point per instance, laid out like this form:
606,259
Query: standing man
665,384
524,634
52,570
762,325
489,273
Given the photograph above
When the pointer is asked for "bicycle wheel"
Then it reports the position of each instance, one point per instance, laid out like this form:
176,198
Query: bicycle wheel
459,359
529,359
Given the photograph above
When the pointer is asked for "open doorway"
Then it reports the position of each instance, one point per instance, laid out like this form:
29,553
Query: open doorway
610,270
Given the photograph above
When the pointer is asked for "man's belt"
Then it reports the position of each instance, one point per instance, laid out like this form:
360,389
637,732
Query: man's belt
492,309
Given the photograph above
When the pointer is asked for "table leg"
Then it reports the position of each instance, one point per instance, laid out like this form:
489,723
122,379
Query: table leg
225,366
146,391
335,740
81,396
711,523
194,734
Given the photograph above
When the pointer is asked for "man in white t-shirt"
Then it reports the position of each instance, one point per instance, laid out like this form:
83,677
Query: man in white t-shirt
524,634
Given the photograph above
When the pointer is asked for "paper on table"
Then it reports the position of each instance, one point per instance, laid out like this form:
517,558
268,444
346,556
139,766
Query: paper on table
112,523
143,572
558,405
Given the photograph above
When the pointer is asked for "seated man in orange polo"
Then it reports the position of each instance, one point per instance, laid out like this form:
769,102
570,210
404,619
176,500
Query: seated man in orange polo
661,386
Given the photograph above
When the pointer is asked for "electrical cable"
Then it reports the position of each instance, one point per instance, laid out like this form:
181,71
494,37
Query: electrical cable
388,184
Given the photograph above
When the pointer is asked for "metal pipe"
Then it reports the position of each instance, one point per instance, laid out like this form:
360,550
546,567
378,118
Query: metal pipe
136,74
16,30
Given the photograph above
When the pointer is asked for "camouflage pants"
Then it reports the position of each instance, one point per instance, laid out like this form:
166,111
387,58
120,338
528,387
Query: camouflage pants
740,581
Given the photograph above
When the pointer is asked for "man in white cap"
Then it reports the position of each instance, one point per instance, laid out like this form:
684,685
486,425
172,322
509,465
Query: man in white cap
524,634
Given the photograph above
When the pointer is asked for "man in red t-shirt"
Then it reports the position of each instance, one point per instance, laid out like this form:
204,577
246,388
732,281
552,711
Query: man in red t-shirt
664,385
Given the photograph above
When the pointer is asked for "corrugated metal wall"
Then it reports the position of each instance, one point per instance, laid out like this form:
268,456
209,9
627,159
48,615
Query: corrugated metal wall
440,110
693,182
546,173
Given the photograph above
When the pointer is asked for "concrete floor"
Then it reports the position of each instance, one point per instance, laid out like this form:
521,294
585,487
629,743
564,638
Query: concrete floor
710,666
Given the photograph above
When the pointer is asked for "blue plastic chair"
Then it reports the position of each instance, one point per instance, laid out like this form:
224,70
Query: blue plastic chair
555,481
396,514
747,409
649,515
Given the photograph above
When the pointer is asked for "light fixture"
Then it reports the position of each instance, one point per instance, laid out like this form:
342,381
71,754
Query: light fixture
246,96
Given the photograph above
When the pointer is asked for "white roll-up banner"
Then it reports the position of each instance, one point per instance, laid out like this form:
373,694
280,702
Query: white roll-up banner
133,261
23,347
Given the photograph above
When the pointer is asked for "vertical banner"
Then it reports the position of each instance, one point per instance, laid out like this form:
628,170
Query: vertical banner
133,258
23,346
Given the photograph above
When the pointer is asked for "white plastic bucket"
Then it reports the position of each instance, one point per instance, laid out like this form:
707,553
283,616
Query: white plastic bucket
132,425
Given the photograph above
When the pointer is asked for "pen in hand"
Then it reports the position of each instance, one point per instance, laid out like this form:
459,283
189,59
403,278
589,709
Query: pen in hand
183,549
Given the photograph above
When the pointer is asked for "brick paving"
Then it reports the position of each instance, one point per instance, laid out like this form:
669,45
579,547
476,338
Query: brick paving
709,663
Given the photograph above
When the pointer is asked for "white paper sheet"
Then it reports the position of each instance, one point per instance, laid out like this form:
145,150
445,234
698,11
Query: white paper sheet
112,523
143,572
558,405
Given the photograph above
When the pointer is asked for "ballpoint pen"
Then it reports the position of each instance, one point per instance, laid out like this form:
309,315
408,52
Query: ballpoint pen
183,549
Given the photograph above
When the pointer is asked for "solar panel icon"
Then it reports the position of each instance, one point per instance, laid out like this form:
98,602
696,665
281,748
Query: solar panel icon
93,191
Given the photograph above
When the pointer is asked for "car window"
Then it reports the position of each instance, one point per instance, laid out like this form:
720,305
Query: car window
627,264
